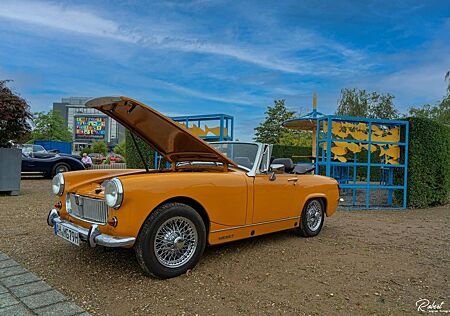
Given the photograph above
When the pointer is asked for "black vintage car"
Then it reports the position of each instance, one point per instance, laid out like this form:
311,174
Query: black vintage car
36,159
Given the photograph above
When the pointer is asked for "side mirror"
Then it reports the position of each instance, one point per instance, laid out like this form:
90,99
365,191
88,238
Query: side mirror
274,169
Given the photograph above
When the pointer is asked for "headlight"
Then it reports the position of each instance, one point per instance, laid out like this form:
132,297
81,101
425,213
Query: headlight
58,184
114,193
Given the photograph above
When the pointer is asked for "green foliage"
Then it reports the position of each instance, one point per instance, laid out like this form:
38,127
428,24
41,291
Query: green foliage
121,149
271,131
355,102
14,115
133,159
447,78
439,112
50,126
296,138
99,147
286,151
429,163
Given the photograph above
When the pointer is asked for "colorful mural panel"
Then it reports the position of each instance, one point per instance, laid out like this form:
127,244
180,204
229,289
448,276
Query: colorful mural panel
90,127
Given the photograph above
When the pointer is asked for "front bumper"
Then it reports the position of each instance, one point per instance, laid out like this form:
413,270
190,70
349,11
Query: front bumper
92,235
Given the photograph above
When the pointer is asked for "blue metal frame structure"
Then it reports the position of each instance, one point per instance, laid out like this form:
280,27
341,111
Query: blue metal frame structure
323,158
226,122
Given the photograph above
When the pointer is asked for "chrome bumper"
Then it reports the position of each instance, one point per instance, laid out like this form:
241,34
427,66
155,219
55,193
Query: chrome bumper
92,235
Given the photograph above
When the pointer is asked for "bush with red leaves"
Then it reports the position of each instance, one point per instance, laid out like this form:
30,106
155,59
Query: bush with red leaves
14,116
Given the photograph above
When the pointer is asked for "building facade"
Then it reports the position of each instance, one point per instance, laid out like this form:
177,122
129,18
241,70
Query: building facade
87,124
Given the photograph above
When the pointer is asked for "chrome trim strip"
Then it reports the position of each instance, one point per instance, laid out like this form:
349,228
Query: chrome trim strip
93,236
256,224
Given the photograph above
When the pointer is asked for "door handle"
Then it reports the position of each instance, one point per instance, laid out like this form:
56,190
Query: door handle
293,180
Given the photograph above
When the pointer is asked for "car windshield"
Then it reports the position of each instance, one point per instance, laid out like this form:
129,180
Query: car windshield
28,149
243,154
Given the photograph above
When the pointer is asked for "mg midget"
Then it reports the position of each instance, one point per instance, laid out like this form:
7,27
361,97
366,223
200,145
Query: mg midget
211,193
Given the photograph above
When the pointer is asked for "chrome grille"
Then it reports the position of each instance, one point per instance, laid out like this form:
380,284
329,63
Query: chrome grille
93,210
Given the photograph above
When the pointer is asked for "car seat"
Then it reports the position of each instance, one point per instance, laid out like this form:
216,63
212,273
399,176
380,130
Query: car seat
287,162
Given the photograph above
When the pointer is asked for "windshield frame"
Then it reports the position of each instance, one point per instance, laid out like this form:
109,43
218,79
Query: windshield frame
259,153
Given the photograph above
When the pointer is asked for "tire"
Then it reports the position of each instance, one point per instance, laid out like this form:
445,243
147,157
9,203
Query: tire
311,225
60,167
186,243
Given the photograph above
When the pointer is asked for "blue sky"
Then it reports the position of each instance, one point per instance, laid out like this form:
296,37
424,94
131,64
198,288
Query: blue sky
233,57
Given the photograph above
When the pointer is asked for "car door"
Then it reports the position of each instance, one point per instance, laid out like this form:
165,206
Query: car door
276,198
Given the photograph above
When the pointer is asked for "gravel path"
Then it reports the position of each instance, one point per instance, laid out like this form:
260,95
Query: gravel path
378,262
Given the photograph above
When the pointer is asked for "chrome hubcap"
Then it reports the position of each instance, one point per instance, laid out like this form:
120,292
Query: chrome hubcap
175,242
314,215
61,169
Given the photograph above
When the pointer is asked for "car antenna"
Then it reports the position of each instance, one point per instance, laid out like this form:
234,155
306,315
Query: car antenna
139,151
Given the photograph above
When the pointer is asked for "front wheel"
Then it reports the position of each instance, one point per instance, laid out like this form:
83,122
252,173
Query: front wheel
60,167
171,241
312,218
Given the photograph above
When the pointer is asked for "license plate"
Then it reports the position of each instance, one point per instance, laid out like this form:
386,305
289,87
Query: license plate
68,234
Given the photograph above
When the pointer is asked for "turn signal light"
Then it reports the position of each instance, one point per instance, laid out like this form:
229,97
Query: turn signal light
113,222
58,205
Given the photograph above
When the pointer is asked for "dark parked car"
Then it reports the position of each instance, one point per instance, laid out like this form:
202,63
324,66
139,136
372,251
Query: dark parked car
37,151
36,159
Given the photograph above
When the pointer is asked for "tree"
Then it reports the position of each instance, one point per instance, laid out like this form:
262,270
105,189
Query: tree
99,147
120,148
50,126
296,138
271,130
355,102
439,112
14,115
447,78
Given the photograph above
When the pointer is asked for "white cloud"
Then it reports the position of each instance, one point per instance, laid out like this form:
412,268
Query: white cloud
86,22
61,17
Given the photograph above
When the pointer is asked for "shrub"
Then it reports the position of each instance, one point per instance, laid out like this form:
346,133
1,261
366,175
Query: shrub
429,163
99,147
286,151
121,149
133,159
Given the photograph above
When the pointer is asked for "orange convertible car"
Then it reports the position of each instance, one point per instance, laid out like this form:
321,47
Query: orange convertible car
211,194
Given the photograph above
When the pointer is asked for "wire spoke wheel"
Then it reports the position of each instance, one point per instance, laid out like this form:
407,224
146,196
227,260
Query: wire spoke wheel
314,215
175,242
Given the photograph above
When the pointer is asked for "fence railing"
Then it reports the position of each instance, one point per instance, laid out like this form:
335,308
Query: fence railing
110,166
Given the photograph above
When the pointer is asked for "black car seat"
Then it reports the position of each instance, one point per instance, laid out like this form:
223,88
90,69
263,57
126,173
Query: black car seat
287,162
243,161
303,168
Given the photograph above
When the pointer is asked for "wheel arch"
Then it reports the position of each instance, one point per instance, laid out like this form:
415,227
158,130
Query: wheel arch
321,197
197,206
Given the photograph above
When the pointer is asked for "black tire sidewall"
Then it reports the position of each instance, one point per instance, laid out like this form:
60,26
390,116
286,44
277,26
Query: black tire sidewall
305,231
55,168
145,249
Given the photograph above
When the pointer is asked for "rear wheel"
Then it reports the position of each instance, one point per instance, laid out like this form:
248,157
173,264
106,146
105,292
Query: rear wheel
312,218
171,241
60,167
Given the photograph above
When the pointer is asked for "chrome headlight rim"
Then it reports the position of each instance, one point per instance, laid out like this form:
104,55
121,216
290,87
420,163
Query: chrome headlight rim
114,188
58,184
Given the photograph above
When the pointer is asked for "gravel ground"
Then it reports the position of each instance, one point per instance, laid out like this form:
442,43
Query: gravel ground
378,262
